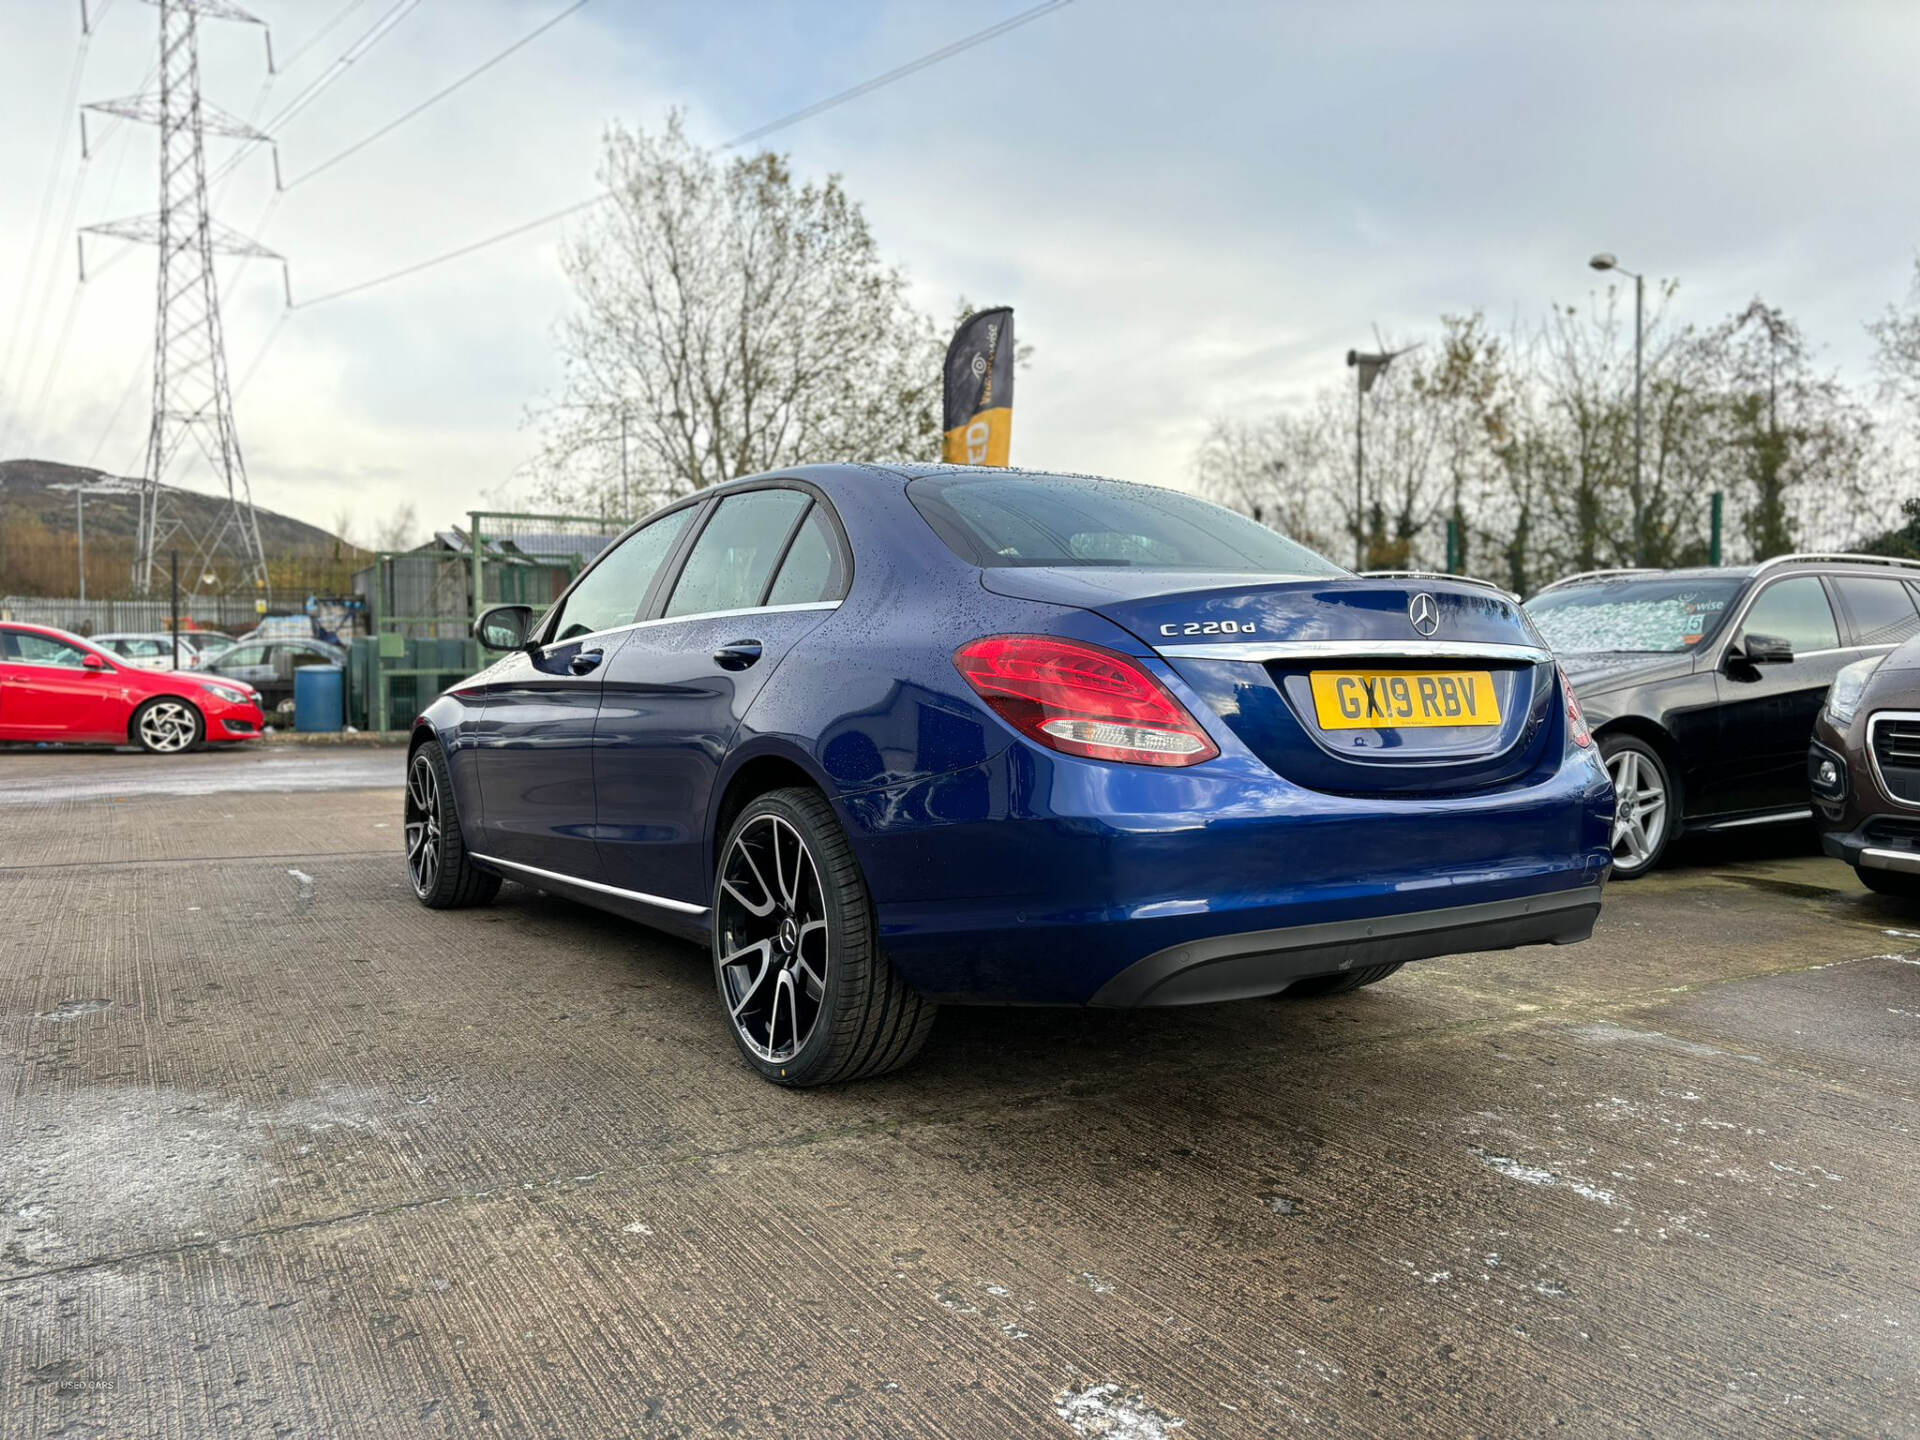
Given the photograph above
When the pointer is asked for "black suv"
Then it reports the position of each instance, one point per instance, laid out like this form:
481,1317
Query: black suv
1702,685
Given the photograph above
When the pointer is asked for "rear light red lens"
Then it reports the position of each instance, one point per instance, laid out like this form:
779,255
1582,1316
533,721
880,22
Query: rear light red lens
1083,700
1576,722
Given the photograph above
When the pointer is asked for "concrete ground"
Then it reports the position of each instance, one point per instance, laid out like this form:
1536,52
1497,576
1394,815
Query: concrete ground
283,1153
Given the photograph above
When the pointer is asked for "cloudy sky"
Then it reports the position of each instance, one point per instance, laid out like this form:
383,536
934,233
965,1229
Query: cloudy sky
1194,208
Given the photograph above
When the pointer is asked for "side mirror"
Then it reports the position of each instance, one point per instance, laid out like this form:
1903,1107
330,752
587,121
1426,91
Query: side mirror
1767,650
94,662
504,627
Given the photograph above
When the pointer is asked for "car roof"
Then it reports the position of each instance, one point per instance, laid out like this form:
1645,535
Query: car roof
84,642
899,473
1835,562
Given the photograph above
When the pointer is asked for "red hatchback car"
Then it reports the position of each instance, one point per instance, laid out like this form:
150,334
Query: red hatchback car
56,687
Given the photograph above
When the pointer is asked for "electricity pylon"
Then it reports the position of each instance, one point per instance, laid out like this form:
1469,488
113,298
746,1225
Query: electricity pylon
191,397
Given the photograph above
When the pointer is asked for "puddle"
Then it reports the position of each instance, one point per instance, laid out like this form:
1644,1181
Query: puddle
1795,889
1107,1411
74,1009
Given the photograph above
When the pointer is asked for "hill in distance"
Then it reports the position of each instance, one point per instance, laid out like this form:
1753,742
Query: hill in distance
38,494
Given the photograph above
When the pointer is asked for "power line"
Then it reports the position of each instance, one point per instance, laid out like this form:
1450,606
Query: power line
947,52
434,99
53,366
504,235
867,87
373,35
133,382
54,173
273,334
317,36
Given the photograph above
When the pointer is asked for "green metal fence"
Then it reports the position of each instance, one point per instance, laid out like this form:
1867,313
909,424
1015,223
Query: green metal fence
421,603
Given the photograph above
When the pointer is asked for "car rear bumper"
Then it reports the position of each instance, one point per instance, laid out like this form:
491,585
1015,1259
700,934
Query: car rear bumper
1238,967
1033,879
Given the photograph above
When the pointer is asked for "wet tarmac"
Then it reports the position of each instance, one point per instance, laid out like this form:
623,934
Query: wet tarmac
284,1154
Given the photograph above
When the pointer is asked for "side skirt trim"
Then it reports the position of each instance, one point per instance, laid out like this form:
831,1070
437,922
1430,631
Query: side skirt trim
1772,817
680,907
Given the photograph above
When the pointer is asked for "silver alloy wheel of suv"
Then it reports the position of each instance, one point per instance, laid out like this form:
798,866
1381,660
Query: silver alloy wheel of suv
1642,802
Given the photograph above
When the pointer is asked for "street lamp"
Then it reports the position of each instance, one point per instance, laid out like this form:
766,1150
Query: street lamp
1369,368
1604,261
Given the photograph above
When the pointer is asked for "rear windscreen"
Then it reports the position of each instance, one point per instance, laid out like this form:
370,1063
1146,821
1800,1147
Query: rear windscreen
1001,520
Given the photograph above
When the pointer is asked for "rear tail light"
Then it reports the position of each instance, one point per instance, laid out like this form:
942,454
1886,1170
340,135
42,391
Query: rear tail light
1083,700
1576,722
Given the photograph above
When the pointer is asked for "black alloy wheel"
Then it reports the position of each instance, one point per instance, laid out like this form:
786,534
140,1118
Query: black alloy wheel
809,997
437,864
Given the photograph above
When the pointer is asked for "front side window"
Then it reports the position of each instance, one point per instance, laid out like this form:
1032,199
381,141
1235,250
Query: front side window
732,561
1056,520
1629,615
31,649
1796,611
611,594
241,656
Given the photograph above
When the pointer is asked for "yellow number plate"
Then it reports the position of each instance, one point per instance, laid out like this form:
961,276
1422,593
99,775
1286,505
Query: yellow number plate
1397,699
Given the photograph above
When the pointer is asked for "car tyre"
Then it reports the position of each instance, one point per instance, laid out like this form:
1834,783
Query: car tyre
1647,802
167,725
1316,987
810,997
443,877
1894,883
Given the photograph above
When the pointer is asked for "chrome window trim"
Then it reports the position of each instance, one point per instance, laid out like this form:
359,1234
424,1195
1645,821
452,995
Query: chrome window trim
681,906
683,619
1873,759
1262,651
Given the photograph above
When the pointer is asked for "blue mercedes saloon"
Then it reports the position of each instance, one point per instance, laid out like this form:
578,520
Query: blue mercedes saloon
891,736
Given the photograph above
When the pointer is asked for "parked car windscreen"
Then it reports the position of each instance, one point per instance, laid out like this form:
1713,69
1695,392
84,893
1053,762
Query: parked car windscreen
1003,520
1642,616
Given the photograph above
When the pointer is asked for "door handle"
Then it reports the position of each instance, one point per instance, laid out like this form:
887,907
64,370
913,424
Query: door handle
737,655
585,661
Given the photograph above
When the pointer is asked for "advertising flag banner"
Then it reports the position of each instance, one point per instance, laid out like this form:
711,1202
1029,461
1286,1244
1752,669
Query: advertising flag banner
979,390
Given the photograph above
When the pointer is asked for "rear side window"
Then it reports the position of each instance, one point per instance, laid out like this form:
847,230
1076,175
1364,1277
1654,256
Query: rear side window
611,593
732,561
1797,611
1056,520
1882,610
814,569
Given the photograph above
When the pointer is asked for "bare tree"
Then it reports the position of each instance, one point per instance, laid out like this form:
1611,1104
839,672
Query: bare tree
729,320
1896,340
1801,439
1273,468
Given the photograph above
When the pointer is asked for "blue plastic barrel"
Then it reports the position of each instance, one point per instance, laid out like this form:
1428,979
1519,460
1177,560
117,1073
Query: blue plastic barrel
318,697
